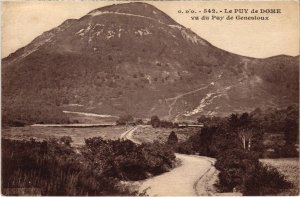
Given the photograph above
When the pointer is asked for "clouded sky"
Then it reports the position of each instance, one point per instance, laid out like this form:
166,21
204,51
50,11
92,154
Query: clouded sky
23,21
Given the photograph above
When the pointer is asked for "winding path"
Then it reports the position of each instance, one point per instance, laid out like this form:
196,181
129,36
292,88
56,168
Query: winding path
127,135
173,100
192,178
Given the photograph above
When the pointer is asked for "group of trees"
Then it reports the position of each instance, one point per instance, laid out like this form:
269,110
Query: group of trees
156,122
241,130
251,128
128,120
55,168
237,144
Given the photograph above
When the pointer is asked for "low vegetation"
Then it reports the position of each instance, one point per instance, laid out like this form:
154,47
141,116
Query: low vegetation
56,169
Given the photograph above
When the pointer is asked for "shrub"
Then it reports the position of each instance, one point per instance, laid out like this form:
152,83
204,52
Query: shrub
166,124
67,140
172,139
124,120
54,168
234,166
265,180
241,170
127,161
57,170
139,122
155,121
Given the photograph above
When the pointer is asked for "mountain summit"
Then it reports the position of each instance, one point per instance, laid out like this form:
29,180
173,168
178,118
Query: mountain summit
134,59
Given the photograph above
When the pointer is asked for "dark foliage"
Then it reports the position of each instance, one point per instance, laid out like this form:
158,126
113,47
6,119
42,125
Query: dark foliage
209,121
265,180
233,165
55,168
241,170
139,122
237,143
156,122
124,120
245,128
172,139
126,160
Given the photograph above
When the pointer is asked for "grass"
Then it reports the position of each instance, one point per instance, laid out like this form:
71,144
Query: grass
149,134
289,167
78,134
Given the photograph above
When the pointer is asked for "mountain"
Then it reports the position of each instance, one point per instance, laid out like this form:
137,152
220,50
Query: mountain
134,59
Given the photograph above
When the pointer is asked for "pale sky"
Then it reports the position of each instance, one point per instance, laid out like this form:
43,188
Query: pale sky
23,21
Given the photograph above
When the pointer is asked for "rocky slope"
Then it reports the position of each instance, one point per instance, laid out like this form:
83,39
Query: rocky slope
134,59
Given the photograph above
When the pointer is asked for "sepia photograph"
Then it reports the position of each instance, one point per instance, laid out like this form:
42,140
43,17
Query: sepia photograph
150,98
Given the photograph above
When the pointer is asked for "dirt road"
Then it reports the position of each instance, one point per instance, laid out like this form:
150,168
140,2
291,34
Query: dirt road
193,177
185,180
128,134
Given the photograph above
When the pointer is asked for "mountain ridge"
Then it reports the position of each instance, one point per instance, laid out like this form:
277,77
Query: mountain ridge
115,64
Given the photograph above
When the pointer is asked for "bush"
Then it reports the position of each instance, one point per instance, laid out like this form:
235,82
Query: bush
155,121
166,124
265,180
67,140
172,139
234,166
127,161
54,168
124,120
286,151
139,122
241,170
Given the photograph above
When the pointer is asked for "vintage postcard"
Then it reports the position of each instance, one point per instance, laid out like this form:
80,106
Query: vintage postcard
149,98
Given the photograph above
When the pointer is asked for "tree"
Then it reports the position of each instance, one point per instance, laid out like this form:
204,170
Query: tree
291,131
172,139
67,140
155,121
246,138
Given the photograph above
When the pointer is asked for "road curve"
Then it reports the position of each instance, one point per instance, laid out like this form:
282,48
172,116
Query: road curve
191,178
180,181
127,135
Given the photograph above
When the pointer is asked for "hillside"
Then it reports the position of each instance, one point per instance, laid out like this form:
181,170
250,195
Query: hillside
134,59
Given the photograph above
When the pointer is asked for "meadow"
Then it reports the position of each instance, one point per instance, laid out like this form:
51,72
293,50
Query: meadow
150,134
77,134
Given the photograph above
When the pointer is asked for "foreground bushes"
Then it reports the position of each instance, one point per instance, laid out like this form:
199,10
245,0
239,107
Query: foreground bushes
55,168
241,171
52,167
126,160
